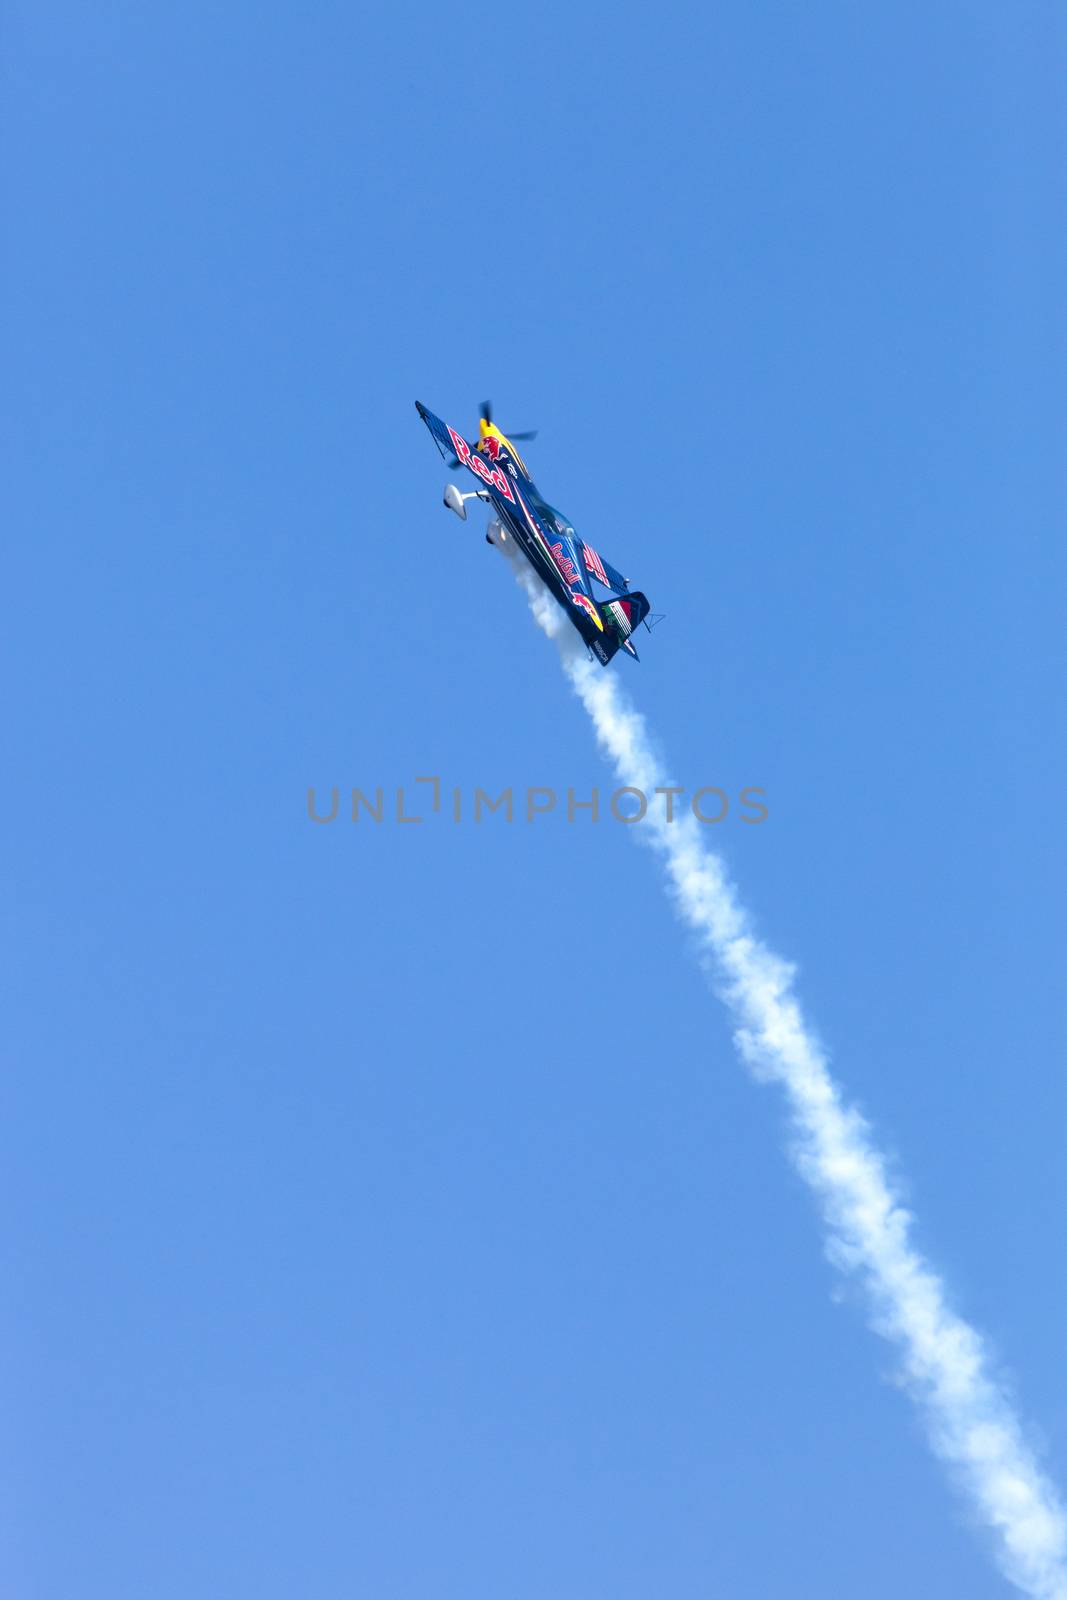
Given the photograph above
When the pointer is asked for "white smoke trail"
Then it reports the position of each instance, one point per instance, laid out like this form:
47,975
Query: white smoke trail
970,1420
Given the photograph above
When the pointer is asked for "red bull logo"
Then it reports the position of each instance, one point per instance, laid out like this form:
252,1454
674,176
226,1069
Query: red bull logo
583,602
493,476
568,571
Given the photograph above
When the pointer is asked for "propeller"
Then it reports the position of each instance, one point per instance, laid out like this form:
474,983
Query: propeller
486,412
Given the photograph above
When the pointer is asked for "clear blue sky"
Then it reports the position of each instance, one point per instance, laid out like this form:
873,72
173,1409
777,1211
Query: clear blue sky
385,1211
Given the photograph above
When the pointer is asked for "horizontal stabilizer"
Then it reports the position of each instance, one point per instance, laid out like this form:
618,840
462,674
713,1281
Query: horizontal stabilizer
601,570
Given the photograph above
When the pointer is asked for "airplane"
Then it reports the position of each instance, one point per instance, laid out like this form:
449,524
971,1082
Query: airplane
570,568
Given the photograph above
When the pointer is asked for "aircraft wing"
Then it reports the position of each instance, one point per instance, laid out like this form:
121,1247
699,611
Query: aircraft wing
443,435
452,444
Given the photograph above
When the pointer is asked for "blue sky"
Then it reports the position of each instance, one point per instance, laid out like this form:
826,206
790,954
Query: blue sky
385,1209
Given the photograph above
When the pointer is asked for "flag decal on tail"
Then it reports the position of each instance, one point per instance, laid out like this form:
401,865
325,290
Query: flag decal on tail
621,611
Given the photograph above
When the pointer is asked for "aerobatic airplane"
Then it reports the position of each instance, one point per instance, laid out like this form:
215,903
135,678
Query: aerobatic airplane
568,566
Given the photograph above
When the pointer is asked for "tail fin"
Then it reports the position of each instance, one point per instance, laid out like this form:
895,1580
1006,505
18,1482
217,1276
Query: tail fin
620,617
